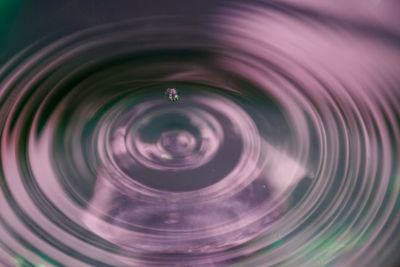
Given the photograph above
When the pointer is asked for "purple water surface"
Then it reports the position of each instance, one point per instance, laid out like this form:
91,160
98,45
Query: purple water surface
282,149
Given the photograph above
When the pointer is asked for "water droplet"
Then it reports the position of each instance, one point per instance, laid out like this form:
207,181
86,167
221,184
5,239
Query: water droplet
172,94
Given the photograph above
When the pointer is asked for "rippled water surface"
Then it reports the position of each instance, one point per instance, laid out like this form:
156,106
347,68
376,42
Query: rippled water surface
281,149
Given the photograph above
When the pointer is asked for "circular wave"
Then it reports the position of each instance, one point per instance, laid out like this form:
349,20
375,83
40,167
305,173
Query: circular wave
281,149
